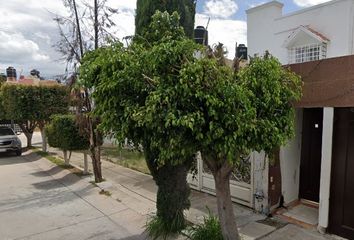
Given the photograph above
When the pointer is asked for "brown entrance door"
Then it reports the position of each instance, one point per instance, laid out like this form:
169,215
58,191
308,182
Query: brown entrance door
341,216
310,167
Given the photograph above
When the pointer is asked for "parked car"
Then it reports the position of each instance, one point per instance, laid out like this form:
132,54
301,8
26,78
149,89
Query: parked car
9,142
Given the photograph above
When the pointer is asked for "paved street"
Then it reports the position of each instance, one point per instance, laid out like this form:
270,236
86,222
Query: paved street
39,200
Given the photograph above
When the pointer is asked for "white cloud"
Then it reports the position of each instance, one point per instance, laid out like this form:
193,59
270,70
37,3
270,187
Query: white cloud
252,5
28,32
225,31
308,3
220,8
16,48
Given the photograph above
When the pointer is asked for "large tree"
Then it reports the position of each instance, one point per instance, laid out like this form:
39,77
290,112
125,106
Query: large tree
228,114
123,83
146,8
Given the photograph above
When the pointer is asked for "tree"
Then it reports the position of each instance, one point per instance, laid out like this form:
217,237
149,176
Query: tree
123,79
227,115
73,46
54,100
63,133
2,78
147,8
31,106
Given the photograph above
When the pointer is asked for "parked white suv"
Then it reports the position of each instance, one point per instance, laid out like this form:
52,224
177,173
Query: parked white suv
9,142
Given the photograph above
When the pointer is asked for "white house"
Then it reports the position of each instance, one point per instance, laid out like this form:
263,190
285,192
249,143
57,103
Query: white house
317,166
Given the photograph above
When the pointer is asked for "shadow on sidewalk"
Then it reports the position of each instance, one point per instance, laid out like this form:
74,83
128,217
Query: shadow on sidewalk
9,158
54,170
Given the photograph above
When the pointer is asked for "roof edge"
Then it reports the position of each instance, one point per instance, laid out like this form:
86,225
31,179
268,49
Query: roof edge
265,5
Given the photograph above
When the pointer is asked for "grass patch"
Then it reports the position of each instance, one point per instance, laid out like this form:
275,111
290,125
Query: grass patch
132,159
59,162
55,160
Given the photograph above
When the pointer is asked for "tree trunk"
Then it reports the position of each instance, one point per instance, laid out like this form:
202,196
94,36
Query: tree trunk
173,195
96,23
96,163
44,139
81,46
173,190
224,203
28,128
86,171
66,159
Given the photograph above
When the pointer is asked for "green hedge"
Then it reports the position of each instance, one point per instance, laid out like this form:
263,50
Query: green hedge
63,133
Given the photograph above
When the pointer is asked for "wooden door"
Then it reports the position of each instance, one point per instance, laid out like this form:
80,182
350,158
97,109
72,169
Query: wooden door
341,217
311,148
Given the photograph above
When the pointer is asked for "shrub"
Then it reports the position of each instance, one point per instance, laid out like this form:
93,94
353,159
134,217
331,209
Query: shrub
157,228
209,230
63,133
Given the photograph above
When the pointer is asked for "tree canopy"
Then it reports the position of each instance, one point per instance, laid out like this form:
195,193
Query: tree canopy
31,106
147,8
63,133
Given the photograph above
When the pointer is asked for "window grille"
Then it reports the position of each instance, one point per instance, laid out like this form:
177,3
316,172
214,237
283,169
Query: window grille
306,53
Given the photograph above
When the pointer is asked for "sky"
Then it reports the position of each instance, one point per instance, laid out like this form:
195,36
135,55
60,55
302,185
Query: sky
28,32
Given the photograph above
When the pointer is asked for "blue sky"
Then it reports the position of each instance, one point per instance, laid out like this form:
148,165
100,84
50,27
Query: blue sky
243,5
28,32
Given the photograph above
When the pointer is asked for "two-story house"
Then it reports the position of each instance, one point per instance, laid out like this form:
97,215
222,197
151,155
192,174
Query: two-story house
315,177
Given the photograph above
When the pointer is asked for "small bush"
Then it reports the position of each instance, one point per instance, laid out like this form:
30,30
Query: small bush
209,230
63,133
157,228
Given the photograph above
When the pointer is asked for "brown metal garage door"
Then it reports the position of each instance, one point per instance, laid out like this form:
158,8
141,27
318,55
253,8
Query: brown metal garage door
342,183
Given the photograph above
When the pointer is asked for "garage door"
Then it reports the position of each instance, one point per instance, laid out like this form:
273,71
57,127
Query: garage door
342,183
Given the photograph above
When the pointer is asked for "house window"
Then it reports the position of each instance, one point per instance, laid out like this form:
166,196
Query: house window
306,53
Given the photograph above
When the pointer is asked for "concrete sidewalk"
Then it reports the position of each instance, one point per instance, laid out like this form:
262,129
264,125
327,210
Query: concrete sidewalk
39,200
138,191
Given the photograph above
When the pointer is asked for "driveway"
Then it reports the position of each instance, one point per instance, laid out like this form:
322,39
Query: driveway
39,200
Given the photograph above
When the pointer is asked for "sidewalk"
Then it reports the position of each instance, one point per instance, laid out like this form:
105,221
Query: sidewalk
40,201
138,191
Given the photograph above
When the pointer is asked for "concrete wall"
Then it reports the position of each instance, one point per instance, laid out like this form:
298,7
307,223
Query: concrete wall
268,29
290,156
260,182
326,166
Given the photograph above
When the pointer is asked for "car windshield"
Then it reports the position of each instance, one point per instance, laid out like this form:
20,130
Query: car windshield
6,132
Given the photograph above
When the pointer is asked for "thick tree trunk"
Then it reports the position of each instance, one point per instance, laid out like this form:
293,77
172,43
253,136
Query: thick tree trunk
173,194
173,190
224,203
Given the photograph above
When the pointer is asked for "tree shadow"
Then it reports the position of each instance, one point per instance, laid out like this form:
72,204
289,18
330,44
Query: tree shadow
10,158
67,180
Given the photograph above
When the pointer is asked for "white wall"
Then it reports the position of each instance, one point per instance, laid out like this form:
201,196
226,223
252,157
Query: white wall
290,156
326,166
268,29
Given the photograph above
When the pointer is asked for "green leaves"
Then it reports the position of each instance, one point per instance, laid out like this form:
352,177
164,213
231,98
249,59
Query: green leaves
33,103
273,90
63,133
182,104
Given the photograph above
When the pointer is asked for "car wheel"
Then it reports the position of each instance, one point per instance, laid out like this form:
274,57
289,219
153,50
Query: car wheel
18,152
